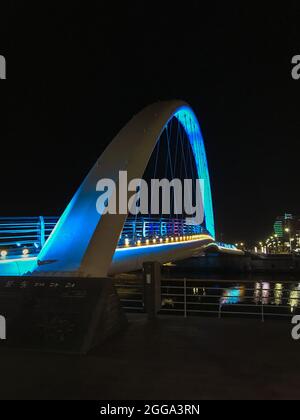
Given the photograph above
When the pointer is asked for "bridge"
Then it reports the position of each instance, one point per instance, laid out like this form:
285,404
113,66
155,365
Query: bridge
163,141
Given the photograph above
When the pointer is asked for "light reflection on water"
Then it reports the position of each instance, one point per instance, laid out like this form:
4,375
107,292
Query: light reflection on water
294,301
265,293
278,294
233,296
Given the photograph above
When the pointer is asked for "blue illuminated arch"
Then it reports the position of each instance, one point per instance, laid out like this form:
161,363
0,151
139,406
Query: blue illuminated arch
189,121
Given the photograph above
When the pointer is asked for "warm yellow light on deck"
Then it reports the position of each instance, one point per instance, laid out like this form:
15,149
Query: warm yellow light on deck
4,253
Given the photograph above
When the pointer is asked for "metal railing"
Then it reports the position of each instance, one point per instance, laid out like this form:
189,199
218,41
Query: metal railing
30,233
190,297
131,296
146,227
221,298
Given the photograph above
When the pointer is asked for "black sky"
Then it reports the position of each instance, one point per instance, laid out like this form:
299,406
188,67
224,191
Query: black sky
77,73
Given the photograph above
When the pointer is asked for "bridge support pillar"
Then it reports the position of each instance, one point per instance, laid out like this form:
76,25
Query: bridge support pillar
152,288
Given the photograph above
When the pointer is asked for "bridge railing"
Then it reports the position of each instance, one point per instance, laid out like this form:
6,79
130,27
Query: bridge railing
29,234
131,295
25,235
150,228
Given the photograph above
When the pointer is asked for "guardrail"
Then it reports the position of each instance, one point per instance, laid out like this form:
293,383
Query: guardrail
32,232
217,298
190,297
27,235
131,296
24,235
146,227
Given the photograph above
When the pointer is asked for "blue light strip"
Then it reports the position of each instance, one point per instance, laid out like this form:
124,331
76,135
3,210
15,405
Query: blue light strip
191,125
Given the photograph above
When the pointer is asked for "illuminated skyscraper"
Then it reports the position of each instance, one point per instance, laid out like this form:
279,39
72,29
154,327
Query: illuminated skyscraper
287,230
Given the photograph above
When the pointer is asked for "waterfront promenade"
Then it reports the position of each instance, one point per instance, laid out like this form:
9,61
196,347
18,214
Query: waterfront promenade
170,358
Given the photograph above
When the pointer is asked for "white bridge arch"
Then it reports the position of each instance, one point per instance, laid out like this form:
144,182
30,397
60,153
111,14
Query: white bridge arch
84,242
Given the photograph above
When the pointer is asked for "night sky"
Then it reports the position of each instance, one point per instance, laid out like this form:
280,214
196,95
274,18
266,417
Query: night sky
76,74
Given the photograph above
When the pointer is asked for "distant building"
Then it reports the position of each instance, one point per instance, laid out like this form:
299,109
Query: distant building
297,232
279,228
287,232
282,223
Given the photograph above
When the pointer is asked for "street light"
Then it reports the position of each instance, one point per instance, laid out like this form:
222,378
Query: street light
288,230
